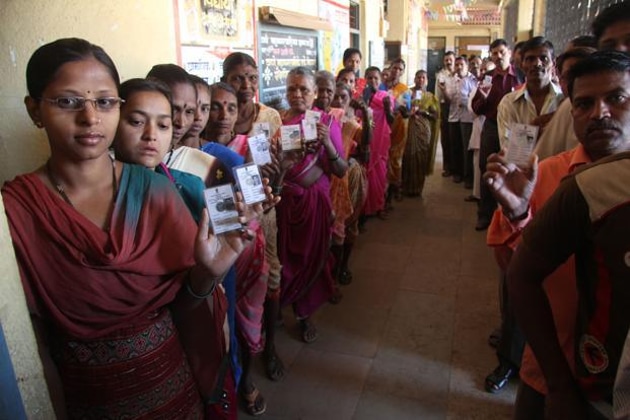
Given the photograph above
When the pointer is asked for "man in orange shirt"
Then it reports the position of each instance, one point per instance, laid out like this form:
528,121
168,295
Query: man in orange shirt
522,192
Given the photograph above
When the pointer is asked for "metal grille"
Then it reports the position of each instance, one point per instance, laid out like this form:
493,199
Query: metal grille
566,19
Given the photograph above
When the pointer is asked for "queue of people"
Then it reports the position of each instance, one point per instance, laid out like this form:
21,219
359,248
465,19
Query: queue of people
141,310
554,153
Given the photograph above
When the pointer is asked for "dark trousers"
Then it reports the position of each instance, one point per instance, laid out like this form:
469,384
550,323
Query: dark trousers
512,344
468,172
457,154
530,405
444,137
489,144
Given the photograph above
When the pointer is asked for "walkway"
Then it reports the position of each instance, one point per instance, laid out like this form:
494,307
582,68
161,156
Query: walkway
408,340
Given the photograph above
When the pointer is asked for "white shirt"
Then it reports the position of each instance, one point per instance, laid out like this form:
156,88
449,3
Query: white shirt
459,89
518,107
442,74
558,136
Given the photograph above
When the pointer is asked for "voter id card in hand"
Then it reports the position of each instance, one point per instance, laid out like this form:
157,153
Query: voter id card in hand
291,137
262,128
259,148
250,183
521,142
221,206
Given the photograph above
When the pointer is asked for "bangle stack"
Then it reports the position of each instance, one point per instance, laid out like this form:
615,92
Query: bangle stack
276,189
192,293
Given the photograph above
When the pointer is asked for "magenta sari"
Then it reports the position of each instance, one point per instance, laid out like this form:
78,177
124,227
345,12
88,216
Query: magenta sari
379,154
305,222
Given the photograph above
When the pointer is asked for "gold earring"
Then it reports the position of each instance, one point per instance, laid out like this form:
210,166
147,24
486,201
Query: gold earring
38,124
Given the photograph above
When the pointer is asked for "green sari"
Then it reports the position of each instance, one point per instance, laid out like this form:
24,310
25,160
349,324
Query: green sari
419,156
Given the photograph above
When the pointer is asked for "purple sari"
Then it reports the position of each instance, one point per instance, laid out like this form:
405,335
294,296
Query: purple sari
305,222
379,155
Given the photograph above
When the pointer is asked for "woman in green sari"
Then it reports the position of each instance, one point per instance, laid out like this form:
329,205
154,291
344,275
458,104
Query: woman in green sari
422,137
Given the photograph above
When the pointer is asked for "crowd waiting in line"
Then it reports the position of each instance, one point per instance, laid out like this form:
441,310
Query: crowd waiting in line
141,310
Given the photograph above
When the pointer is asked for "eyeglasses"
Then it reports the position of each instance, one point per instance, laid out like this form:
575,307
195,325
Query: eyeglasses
77,103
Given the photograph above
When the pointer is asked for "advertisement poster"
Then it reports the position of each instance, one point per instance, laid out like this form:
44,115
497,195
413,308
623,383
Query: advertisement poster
216,22
207,62
280,50
210,30
334,43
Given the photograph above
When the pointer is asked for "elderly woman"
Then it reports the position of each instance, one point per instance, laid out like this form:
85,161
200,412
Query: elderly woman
421,137
305,210
126,327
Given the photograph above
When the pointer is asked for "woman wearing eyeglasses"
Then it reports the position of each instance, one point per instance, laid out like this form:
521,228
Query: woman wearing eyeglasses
121,285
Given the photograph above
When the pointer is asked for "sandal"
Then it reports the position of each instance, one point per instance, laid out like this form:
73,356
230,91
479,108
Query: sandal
345,278
499,378
255,404
309,331
274,366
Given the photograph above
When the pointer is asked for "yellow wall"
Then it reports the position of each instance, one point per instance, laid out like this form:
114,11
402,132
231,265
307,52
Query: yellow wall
136,33
397,13
370,29
18,332
540,7
525,19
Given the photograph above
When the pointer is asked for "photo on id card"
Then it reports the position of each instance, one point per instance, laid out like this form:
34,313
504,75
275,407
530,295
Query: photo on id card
291,137
259,148
221,206
262,128
250,183
522,139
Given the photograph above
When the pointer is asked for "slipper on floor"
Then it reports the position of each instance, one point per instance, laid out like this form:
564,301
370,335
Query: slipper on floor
499,378
255,404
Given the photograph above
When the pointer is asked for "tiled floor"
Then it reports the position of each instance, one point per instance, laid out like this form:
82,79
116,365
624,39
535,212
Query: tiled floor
408,341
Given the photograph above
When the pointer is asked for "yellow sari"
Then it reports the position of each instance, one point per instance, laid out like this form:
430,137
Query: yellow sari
398,137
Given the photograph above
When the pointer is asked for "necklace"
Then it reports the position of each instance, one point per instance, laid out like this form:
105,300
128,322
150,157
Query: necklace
62,191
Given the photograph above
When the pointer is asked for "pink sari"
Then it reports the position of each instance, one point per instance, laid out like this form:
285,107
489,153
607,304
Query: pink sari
252,272
305,221
379,155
